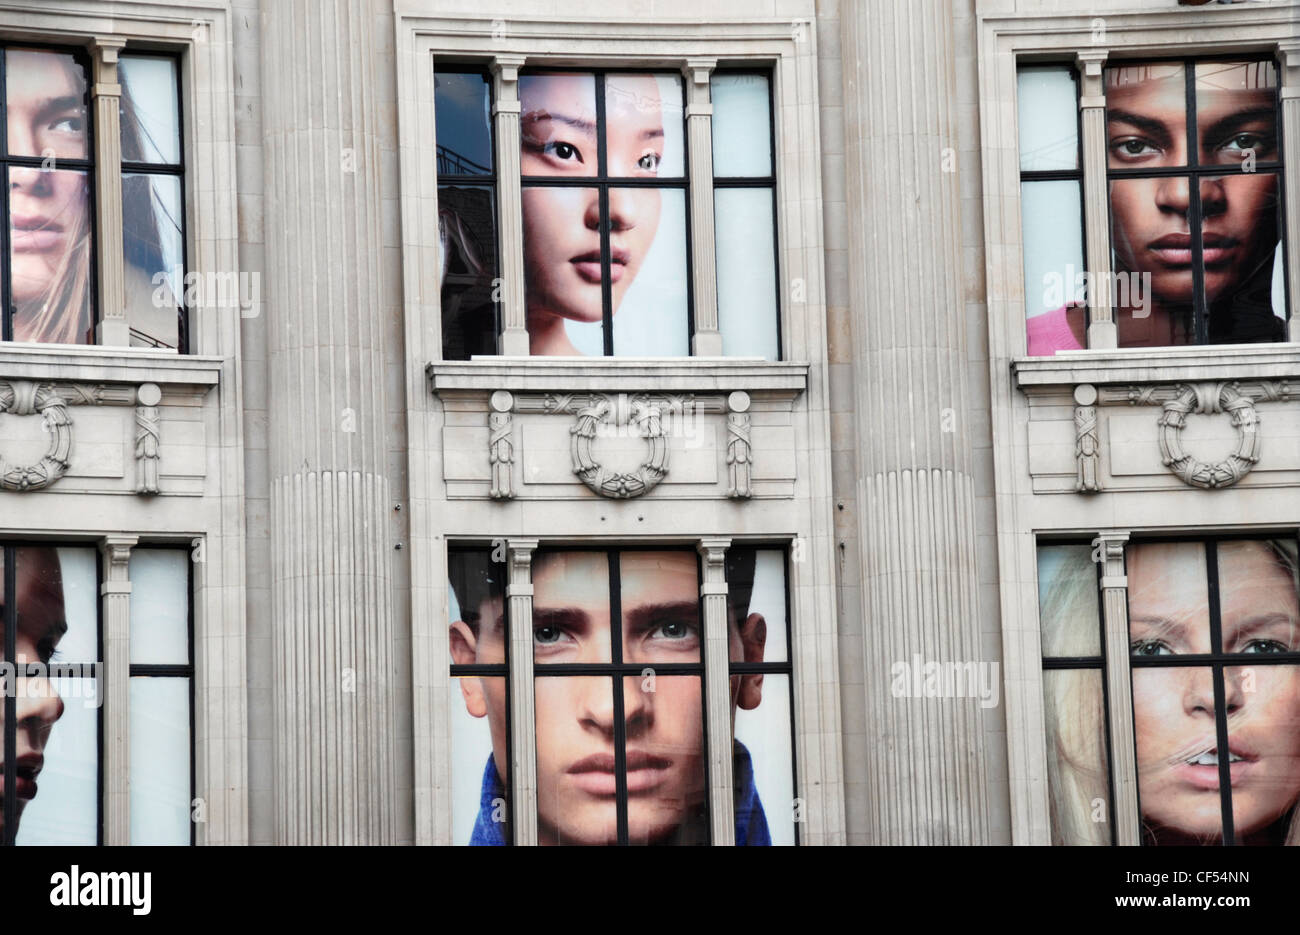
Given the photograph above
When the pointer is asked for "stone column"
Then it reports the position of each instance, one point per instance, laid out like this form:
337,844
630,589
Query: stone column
505,114
523,761
707,341
1119,687
1102,331
925,756
1289,55
106,96
115,606
717,689
334,728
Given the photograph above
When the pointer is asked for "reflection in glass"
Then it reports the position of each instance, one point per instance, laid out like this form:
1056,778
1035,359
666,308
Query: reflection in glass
557,125
151,246
563,270
643,126
649,272
1146,115
1236,114
1168,599
571,612
1048,118
661,606
744,227
467,232
1264,752
1055,286
1151,239
1069,601
1077,767
50,255
160,606
1240,223
46,104
150,112
763,764
462,109
160,760
756,586
742,125
478,702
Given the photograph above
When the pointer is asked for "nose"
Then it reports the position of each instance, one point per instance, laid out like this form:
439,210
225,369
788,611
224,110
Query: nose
38,707
623,209
596,703
591,216
29,180
1172,195
1234,695
1214,197
638,704
1198,692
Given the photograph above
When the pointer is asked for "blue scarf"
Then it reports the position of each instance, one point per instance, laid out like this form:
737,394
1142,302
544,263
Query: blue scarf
751,822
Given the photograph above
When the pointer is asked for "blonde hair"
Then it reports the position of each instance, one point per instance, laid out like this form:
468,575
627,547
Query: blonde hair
1073,700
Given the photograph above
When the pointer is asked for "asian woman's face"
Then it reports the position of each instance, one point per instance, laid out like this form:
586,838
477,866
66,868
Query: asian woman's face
46,93
1174,708
562,250
40,627
1146,113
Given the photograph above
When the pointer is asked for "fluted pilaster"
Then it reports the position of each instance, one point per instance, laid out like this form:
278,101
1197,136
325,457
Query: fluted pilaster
1289,53
330,500
106,98
115,609
926,764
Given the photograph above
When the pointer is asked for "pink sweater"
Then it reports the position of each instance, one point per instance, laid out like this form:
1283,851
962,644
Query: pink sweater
1049,333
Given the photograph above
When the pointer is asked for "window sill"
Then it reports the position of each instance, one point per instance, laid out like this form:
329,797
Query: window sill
1160,365
95,364
619,374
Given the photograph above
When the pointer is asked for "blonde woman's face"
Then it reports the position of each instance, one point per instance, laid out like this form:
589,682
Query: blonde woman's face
47,118
1174,707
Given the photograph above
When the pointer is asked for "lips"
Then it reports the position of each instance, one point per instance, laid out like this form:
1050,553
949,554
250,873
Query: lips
1202,769
588,264
1176,249
596,774
32,233
28,768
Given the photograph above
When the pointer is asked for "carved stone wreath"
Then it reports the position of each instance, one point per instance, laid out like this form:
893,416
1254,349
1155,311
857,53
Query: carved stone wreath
24,398
647,417
1205,399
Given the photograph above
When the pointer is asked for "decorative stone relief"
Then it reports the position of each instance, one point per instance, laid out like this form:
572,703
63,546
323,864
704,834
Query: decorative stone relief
1237,398
51,402
739,450
501,444
639,411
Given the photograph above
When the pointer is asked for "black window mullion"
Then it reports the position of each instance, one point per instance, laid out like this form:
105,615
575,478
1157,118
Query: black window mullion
616,657
11,696
607,333
6,310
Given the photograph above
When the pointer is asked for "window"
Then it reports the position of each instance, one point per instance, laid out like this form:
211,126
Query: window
55,283
57,708
605,170
619,686
1214,655
1193,186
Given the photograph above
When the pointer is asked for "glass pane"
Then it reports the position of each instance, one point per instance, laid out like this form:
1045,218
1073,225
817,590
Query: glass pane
562,269
1077,768
644,135
58,634
463,113
667,795
46,104
1168,599
1178,771
557,125
757,600
152,249
1236,112
467,231
742,125
1151,245
746,271
1258,609
160,587
51,252
763,766
648,249
150,112
160,760
577,795
660,598
1264,752
1048,103
1240,231
571,612
1069,601
1146,115
478,704
1055,278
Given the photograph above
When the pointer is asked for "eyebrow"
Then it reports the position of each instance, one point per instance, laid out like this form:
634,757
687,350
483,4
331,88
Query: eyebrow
644,613
578,123
1219,127
559,616
1150,125
69,102
1264,621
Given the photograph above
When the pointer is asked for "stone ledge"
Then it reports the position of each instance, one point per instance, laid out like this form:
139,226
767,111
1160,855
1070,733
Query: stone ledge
1160,365
618,374
94,364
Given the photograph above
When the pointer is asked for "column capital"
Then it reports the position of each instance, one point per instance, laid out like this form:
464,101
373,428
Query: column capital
506,67
713,550
1108,549
1091,62
117,549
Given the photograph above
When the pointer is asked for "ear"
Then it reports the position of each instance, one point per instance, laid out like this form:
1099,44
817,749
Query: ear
464,650
753,638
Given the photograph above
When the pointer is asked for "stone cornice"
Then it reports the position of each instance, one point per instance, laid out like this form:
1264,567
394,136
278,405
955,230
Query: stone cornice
618,374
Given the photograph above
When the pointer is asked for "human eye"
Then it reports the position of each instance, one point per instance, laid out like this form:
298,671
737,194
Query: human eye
547,635
561,151
649,162
1150,648
1132,148
74,123
1265,647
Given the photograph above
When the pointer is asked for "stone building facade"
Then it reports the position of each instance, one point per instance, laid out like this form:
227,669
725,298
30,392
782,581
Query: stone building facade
319,457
